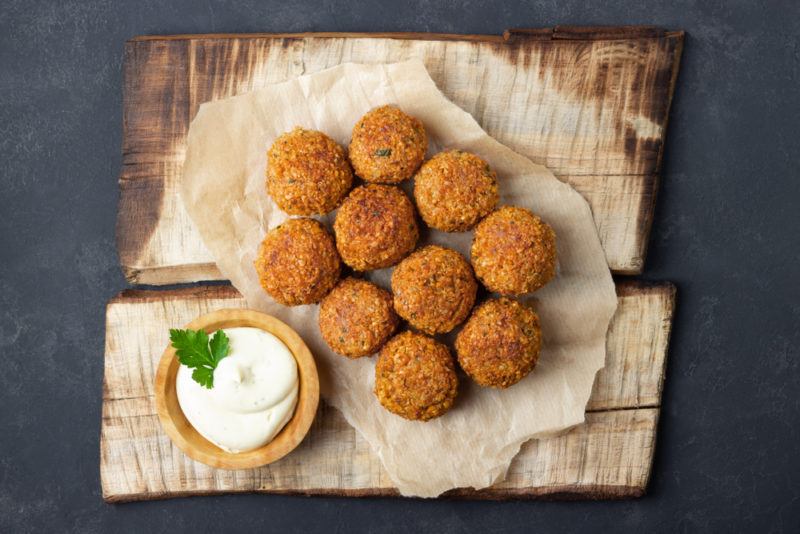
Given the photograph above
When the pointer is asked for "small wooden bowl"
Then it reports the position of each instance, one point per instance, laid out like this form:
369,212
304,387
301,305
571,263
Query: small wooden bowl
183,434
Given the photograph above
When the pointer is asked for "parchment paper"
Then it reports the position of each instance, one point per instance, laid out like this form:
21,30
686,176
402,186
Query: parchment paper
223,189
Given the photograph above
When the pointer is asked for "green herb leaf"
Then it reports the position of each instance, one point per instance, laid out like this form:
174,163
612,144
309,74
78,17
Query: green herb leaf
204,376
196,352
219,346
383,152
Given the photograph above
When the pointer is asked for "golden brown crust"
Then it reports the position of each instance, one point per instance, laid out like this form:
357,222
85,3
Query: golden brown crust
499,345
434,289
415,377
307,172
375,227
514,251
454,190
357,318
387,146
297,262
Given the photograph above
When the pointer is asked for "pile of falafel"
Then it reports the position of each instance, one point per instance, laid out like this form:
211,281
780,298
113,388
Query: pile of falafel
433,289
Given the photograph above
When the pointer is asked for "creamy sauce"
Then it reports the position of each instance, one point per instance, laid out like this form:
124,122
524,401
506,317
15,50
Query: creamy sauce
254,394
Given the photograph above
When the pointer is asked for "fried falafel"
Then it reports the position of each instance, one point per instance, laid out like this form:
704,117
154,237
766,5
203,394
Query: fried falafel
297,262
375,227
454,190
415,377
387,145
434,289
514,251
357,318
307,172
499,344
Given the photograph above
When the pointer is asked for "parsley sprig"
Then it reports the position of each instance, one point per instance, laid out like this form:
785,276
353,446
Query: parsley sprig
195,351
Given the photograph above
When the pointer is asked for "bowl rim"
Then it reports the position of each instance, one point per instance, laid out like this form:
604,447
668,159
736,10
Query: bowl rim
197,447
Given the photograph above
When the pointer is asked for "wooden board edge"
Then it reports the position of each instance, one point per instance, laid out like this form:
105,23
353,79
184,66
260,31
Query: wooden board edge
141,197
647,218
554,493
585,33
670,292
225,290
605,33
647,209
215,291
628,287
132,229
324,35
170,274
679,37
655,429
647,212
637,257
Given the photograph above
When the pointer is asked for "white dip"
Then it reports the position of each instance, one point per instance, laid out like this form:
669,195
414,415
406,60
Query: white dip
254,394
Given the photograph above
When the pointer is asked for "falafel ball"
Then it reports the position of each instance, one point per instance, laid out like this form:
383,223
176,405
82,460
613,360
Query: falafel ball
499,345
375,227
454,190
434,289
307,172
357,318
387,145
415,377
297,262
514,251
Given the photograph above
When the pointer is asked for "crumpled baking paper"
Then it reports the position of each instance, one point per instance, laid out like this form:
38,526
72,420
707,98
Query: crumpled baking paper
223,190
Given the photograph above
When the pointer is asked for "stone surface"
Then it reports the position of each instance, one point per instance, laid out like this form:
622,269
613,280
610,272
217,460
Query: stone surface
725,231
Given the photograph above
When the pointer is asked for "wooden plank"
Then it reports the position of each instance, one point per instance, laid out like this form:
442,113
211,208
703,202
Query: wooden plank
155,121
636,347
590,103
607,457
623,211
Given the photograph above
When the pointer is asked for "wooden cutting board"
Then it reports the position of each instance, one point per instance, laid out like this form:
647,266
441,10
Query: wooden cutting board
609,456
589,103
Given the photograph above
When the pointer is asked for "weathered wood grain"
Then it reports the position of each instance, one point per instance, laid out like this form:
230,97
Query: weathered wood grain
607,457
590,103
636,346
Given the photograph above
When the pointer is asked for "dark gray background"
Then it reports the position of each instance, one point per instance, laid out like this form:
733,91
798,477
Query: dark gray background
726,232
